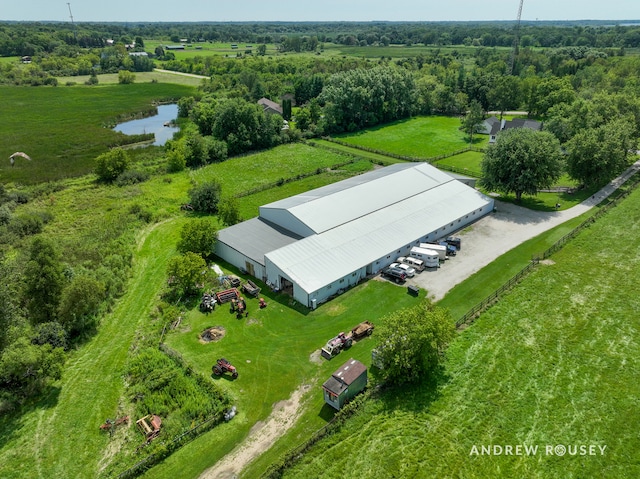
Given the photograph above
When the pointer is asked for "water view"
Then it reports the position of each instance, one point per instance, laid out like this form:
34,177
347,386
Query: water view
153,124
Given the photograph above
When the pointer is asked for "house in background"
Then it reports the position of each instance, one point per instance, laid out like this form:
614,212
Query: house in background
515,123
345,383
487,125
270,106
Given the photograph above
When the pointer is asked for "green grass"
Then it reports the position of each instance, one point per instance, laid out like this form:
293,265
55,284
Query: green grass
59,436
375,157
470,160
272,350
419,137
141,77
240,174
554,362
64,129
401,51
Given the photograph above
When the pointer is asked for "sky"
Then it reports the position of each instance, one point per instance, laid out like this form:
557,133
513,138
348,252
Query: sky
315,10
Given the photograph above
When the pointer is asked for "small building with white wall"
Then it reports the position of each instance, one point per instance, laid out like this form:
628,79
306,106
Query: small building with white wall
319,243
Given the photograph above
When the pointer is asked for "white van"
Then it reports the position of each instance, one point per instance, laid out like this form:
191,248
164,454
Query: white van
430,258
415,263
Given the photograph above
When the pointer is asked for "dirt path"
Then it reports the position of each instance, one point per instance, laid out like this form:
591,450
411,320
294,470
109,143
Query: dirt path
499,232
192,75
262,436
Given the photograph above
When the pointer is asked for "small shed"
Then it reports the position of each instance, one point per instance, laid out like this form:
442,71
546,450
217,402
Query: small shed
345,383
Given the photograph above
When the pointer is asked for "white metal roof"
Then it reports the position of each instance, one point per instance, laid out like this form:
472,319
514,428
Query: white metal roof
321,259
328,207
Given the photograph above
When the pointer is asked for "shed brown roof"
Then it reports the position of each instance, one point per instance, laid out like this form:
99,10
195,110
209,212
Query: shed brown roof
350,371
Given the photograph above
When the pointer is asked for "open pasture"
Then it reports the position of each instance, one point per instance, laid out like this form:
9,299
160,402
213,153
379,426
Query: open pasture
418,137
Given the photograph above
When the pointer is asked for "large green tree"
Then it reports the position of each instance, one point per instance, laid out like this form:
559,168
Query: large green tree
205,197
79,304
472,121
198,236
361,97
186,272
25,367
596,155
522,161
245,126
414,342
44,281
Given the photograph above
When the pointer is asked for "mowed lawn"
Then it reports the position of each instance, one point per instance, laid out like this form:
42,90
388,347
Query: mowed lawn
553,365
419,137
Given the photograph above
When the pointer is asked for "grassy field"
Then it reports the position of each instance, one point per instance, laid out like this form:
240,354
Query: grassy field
553,363
469,160
141,77
63,129
419,137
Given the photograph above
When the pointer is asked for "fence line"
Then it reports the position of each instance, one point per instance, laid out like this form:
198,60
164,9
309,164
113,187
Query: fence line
430,159
475,312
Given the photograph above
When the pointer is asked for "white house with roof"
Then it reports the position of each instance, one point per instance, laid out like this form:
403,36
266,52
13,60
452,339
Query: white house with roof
317,244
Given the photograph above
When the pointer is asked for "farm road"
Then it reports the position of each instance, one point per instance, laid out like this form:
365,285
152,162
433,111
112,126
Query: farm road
499,232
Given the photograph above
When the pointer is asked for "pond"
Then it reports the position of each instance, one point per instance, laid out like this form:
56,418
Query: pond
153,124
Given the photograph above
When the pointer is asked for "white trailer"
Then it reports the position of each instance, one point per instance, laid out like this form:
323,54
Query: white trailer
430,258
441,250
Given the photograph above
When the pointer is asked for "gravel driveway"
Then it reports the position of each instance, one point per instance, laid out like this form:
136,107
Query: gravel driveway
499,232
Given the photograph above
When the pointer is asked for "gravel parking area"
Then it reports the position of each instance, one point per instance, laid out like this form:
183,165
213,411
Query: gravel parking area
499,232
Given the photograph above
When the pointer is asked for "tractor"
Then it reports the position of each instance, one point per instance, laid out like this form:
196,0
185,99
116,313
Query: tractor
222,366
335,345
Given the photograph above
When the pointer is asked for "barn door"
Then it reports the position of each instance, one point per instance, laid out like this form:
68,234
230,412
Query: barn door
249,268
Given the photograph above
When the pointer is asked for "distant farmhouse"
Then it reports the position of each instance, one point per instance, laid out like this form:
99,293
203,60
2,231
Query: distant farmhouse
270,106
317,244
502,125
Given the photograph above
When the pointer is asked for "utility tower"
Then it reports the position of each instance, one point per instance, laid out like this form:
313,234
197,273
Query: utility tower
72,22
516,39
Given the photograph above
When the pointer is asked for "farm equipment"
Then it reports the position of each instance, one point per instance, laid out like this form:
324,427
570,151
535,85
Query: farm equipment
208,303
239,306
251,288
111,424
344,341
363,329
222,366
335,345
150,426
227,295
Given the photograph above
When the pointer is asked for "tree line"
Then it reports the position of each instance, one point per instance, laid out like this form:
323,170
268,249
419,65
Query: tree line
30,38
